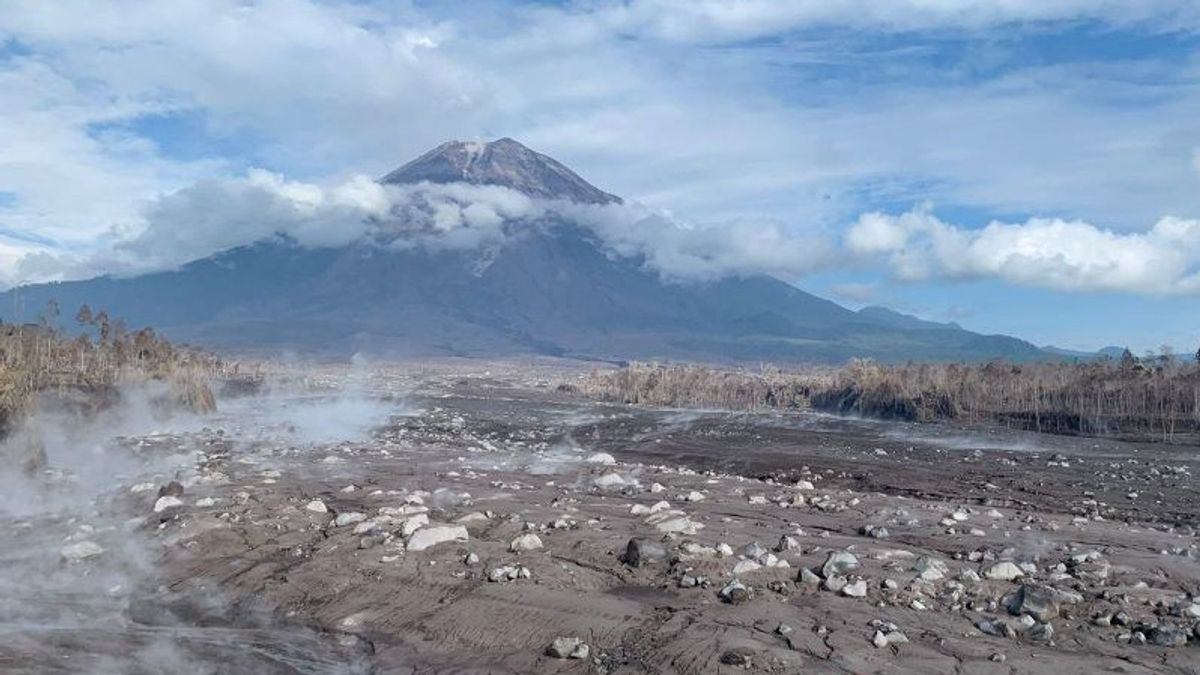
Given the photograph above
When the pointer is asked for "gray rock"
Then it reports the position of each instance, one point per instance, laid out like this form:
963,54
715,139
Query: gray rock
739,657
1165,635
1040,602
807,576
839,563
736,593
639,552
753,550
835,583
786,544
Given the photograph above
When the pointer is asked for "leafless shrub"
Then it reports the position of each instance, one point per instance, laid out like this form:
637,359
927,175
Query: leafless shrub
1157,398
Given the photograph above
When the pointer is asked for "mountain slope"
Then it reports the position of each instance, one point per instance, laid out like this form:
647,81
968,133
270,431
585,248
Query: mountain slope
548,286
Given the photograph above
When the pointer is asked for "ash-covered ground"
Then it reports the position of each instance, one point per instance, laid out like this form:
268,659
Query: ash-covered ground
473,518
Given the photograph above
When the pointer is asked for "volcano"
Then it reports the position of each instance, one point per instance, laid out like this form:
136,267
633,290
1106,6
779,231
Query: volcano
550,287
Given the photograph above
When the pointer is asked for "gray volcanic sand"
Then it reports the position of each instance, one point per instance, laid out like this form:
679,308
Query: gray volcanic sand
255,580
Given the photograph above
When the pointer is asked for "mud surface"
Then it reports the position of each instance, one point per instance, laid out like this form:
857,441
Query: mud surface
297,545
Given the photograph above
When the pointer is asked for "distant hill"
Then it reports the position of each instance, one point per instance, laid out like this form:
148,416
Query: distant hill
551,287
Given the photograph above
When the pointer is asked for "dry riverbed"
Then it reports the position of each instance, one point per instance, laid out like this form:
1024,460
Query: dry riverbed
476,521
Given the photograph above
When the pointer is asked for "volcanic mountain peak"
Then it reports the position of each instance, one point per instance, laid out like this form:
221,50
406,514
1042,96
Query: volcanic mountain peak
503,162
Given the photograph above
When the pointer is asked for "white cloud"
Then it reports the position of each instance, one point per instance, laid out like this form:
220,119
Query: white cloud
770,158
687,252
720,20
1042,252
215,215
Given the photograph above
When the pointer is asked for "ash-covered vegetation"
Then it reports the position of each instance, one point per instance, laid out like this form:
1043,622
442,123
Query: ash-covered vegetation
84,371
1155,398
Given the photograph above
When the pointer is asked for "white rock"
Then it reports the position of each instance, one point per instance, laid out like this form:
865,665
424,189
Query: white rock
142,487
316,506
680,525
744,566
1004,571
432,536
205,502
349,518
81,550
611,479
525,542
602,458
804,485
857,589
167,502
657,487
931,569
366,526
693,496
412,524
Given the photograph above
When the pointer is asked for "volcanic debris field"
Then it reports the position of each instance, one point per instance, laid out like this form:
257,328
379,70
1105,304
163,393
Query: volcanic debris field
477,519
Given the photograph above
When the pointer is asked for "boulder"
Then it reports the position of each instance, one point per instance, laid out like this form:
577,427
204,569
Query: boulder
568,648
640,552
1004,571
525,542
839,563
432,536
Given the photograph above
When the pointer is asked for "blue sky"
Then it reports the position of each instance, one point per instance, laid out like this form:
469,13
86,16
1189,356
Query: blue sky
1028,167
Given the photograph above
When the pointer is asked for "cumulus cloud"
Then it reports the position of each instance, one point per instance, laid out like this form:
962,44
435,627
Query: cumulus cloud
689,252
1068,255
215,215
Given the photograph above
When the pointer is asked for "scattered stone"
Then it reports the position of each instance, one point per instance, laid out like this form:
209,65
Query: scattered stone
509,573
787,544
609,481
738,657
167,502
931,569
413,523
874,531
525,542
736,593
640,552
856,589
432,536
1004,571
744,566
839,563
835,582
679,525
1040,602
1165,635
349,518
602,458
81,550
316,506
172,489
879,639
808,577
568,648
